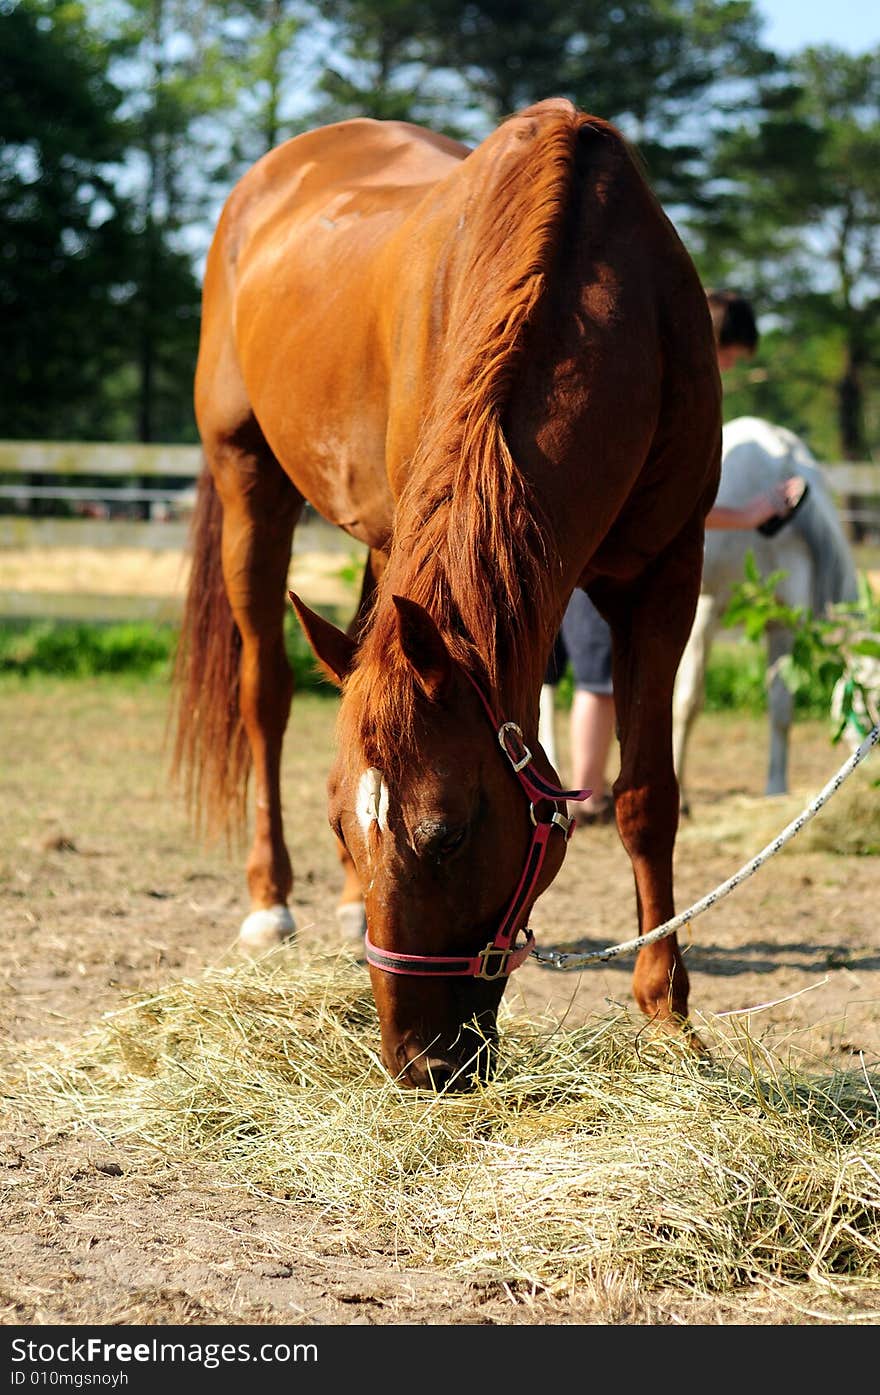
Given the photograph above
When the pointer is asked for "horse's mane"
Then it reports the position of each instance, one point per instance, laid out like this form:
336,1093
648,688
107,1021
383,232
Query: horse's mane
470,542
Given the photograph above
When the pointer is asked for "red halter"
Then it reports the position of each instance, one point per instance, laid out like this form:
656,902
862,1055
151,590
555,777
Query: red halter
501,955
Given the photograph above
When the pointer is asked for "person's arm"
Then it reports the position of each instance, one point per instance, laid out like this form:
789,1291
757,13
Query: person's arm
781,499
756,511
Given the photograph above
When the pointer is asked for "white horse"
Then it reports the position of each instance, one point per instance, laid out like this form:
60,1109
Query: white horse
811,550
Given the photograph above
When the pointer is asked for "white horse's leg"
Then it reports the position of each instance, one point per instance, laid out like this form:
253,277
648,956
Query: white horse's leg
781,705
792,558
690,685
546,731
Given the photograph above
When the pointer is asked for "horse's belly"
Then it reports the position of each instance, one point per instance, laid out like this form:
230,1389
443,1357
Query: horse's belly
336,458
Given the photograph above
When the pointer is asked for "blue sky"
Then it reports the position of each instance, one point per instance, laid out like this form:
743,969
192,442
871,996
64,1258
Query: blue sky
793,24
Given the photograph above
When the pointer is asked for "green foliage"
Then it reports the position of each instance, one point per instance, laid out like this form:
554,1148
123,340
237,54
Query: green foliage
735,675
793,380
827,650
66,245
307,676
799,227
85,650
125,123
65,650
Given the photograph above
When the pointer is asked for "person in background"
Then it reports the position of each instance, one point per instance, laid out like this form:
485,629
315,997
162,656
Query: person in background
585,638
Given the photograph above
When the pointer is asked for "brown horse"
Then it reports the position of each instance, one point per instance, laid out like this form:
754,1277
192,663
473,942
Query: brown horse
496,368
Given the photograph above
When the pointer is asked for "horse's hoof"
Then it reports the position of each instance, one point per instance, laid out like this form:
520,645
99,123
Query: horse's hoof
352,920
265,929
675,1035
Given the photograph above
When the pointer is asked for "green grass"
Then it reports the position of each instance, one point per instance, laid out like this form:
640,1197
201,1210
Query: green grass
736,681
64,650
735,678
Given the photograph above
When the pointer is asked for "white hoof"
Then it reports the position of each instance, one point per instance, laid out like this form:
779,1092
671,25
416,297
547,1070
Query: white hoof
352,920
265,929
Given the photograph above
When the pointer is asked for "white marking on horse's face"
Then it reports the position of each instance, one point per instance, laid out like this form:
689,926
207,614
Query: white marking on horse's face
371,805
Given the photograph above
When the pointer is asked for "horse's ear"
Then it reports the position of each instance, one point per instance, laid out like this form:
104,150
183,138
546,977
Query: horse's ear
333,649
423,645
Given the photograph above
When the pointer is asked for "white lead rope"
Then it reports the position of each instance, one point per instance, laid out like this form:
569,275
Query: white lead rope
559,959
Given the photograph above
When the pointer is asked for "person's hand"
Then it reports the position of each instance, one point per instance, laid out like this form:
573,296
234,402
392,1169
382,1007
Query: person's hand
787,494
781,502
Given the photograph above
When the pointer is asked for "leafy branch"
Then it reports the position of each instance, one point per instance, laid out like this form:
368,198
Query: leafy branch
838,652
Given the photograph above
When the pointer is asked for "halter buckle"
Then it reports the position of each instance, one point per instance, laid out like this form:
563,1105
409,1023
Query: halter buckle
483,961
520,764
562,821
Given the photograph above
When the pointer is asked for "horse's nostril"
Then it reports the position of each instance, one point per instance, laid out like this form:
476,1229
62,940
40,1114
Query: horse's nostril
436,1073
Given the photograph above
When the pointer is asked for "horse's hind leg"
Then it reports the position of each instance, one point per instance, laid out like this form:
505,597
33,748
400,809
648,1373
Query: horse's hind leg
650,626
260,510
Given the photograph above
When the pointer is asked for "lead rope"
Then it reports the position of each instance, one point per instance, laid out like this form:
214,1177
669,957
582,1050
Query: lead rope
559,959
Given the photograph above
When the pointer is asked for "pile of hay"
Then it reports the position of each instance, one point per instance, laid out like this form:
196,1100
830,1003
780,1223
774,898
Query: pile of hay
589,1151
848,825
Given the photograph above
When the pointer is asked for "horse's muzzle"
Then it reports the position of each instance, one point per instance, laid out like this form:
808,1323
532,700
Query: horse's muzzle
471,1062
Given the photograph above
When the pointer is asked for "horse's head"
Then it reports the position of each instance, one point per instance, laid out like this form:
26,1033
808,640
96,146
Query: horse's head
451,842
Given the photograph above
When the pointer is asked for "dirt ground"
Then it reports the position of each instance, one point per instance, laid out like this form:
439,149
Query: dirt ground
104,892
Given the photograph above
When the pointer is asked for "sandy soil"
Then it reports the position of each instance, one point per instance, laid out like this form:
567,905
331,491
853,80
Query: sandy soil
104,892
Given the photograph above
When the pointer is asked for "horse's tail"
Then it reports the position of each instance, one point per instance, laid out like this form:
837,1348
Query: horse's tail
211,756
834,573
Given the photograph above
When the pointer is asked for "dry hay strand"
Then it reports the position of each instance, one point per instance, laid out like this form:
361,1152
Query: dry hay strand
850,824
592,1153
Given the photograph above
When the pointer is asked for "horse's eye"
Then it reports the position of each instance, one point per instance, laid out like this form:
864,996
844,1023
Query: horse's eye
336,825
451,842
438,840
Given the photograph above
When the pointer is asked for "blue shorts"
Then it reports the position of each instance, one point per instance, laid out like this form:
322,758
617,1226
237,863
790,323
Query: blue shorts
585,639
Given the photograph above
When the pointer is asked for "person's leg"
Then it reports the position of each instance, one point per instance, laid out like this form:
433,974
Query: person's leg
556,665
592,731
588,641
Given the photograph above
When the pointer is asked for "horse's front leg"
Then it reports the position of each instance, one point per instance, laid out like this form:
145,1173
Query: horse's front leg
650,627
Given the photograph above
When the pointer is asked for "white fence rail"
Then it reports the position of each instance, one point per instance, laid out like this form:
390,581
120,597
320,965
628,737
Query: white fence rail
114,550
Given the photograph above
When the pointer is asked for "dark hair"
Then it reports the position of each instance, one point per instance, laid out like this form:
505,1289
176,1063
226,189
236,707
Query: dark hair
733,319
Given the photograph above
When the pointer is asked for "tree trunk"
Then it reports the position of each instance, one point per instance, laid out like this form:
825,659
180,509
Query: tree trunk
850,417
271,133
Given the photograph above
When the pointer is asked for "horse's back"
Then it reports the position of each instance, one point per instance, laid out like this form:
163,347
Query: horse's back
812,550
342,258
308,220
352,170
763,451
